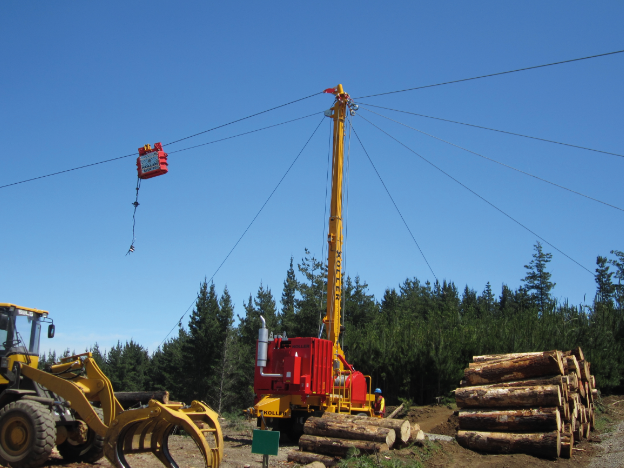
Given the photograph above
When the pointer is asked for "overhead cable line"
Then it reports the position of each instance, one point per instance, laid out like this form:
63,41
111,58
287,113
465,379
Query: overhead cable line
476,194
252,221
392,199
170,152
244,118
66,170
497,162
494,130
493,74
246,133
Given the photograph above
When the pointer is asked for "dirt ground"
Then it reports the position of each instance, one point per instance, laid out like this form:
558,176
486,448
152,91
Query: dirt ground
604,450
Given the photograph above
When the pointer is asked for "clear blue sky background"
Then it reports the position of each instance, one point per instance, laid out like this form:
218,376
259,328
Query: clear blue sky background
86,81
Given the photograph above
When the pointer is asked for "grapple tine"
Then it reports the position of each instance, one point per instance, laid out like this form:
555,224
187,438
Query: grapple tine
147,430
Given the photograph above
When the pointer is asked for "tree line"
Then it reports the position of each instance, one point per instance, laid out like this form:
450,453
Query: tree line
414,342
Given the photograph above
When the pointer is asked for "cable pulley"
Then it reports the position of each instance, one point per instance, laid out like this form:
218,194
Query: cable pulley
353,107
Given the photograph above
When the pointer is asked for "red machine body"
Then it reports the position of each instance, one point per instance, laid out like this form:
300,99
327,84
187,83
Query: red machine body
305,366
304,363
152,162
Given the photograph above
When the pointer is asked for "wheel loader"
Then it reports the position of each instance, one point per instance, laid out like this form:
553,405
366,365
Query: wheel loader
71,406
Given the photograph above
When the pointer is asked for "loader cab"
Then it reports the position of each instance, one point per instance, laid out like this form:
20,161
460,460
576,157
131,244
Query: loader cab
20,330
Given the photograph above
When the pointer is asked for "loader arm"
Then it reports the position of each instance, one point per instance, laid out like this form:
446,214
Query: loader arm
75,393
80,381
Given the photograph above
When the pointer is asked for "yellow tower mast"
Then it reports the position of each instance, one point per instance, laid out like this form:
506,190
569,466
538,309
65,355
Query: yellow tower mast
334,238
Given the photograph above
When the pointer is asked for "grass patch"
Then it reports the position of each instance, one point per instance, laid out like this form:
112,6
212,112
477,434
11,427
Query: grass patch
604,424
380,460
427,451
235,422
419,455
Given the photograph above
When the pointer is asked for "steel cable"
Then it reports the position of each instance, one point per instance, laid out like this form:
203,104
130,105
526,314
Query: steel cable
497,162
243,118
252,221
495,130
170,152
492,74
392,199
476,194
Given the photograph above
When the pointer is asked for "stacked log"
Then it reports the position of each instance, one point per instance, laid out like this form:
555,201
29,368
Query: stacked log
539,403
333,435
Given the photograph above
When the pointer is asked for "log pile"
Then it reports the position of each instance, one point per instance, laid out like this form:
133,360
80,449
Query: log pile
332,436
538,403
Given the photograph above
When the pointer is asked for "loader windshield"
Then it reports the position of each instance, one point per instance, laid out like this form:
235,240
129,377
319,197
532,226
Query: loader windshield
28,330
20,332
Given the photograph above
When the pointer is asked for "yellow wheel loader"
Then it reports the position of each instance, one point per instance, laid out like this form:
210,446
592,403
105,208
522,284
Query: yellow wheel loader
72,406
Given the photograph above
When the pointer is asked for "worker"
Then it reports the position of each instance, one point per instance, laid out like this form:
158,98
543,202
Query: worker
379,406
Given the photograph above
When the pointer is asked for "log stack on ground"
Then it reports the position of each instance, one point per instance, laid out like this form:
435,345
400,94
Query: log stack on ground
538,403
135,399
332,436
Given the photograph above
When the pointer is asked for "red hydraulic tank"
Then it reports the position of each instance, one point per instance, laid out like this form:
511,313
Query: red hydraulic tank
152,162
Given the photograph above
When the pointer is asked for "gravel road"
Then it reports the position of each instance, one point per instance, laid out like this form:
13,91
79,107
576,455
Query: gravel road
612,449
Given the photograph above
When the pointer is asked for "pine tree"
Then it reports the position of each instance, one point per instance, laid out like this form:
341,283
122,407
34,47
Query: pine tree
225,368
202,350
133,367
114,367
359,307
606,288
167,369
311,306
287,317
99,358
618,263
487,301
469,304
537,281
265,306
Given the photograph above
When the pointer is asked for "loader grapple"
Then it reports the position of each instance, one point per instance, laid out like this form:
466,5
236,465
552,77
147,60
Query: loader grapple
146,430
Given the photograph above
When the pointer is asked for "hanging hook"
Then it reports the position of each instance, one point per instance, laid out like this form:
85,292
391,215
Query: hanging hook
135,204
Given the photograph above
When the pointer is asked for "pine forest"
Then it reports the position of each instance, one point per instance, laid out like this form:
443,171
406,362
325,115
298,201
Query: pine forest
414,342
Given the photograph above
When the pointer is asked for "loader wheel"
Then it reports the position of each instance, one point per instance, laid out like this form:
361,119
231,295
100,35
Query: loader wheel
27,434
87,452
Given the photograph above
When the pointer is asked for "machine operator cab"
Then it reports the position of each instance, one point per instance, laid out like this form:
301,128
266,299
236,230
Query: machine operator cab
20,330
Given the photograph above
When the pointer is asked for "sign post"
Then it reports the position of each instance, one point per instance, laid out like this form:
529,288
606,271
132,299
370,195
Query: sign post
265,443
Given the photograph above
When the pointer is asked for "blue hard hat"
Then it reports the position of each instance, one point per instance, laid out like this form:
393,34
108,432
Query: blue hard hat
377,390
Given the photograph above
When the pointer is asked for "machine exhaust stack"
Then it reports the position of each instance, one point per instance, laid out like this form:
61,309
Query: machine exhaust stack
263,345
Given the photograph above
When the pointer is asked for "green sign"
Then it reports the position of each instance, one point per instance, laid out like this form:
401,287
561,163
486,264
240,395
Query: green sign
265,442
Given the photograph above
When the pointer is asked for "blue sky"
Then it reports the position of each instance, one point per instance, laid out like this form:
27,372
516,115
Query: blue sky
82,82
